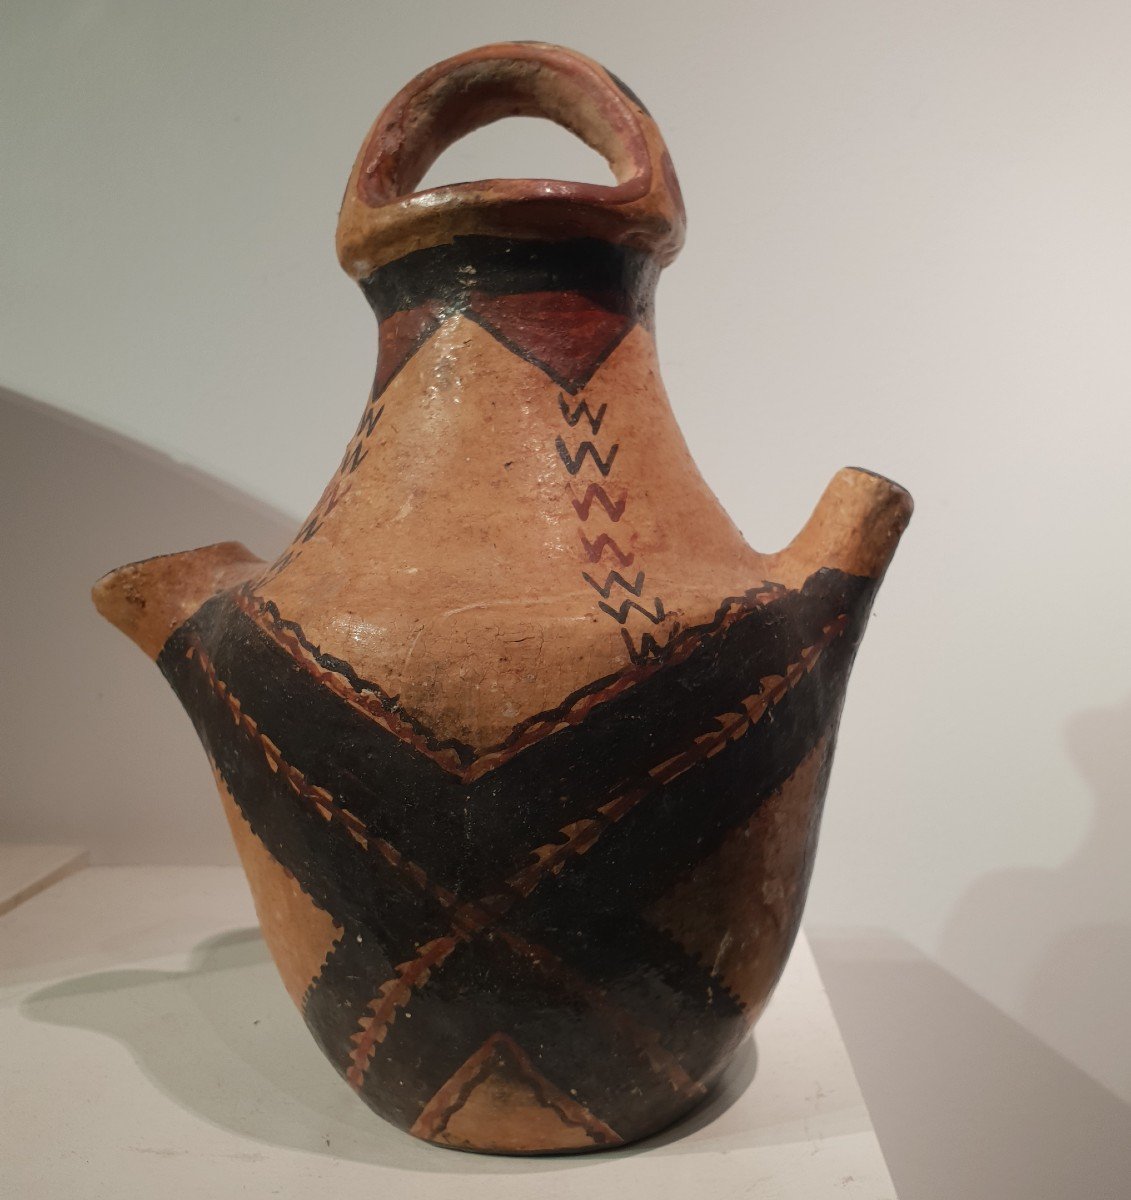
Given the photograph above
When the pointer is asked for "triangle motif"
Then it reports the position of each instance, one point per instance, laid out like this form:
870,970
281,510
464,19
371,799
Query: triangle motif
565,334
500,1102
736,910
401,334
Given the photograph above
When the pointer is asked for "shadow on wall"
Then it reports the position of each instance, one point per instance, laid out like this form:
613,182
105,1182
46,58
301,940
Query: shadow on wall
966,1102
243,1060
1008,931
95,741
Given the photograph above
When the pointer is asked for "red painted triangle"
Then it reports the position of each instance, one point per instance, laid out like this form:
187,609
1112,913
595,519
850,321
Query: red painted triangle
399,338
565,334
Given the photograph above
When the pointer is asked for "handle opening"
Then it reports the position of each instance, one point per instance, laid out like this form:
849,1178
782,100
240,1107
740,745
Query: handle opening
384,215
453,99
518,148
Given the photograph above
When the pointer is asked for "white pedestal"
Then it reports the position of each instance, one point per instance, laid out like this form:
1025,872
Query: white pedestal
150,1051
27,869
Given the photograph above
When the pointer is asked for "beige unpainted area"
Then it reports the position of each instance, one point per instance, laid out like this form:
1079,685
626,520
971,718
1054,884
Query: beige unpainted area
735,911
451,569
499,1102
147,600
298,933
855,527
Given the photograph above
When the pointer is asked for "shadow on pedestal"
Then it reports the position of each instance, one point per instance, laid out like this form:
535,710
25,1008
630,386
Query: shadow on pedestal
967,1103
223,1041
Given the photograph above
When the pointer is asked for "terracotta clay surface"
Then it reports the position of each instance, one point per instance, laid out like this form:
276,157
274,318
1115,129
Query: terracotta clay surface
522,746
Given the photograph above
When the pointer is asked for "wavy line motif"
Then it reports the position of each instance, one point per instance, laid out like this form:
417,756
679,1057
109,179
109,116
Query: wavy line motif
616,577
582,410
620,615
595,492
573,463
597,548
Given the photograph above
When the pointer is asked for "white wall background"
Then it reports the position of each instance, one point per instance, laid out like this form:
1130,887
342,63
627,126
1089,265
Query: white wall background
908,250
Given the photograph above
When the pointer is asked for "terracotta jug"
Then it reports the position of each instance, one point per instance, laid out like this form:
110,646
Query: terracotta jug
522,746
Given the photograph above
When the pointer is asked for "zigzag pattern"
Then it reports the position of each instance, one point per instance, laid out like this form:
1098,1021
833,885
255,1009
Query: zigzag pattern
620,615
369,418
582,410
649,650
573,463
615,577
595,492
594,550
353,459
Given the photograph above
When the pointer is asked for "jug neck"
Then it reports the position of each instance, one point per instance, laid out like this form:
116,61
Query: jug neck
561,305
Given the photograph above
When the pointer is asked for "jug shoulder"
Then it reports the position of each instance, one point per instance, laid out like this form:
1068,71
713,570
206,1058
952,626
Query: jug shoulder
488,679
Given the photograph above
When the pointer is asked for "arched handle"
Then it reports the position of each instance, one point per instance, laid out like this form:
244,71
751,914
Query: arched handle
383,216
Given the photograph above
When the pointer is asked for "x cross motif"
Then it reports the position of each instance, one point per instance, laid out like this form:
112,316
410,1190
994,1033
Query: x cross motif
514,904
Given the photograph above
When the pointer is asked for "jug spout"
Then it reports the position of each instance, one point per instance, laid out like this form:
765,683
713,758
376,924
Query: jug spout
147,600
855,528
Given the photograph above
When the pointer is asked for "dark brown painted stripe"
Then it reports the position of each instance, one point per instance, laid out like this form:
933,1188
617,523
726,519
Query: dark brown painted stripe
617,278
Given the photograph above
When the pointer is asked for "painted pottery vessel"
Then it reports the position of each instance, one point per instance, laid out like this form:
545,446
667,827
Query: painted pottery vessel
522,746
